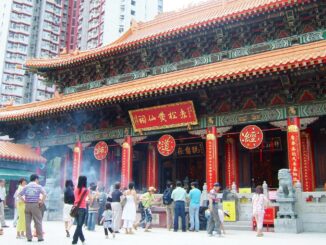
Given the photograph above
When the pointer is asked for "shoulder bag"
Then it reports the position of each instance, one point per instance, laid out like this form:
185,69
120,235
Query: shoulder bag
74,208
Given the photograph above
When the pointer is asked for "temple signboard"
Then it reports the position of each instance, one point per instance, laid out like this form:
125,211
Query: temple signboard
251,137
166,145
101,150
189,150
164,116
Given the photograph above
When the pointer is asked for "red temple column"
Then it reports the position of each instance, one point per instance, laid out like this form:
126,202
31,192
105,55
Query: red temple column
294,148
231,162
211,157
308,170
104,171
152,166
126,162
77,161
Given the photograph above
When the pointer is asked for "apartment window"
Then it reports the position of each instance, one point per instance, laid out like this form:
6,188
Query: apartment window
122,17
122,8
132,12
133,2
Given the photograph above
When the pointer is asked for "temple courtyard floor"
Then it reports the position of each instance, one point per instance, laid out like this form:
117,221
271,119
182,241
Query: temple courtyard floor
55,235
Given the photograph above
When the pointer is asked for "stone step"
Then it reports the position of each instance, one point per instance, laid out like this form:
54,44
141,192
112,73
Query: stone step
238,225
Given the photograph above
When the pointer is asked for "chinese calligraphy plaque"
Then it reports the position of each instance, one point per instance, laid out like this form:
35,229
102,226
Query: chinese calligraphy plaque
251,137
101,150
166,145
165,116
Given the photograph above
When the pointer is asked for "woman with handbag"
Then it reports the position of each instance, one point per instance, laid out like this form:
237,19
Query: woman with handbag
259,203
79,208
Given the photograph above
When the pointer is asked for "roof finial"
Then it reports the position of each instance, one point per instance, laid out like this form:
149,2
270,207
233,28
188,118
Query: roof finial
134,25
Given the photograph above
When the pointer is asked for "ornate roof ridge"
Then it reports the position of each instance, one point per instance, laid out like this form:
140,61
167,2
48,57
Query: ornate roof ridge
295,57
164,27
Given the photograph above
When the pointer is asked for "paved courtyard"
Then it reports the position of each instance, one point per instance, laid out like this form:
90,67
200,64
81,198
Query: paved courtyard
55,235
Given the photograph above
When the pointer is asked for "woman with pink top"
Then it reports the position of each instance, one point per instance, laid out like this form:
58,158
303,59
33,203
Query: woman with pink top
259,202
81,194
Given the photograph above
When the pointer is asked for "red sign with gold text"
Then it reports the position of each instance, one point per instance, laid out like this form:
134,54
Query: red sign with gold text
166,145
294,151
307,162
101,150
211,157
164,116
251,137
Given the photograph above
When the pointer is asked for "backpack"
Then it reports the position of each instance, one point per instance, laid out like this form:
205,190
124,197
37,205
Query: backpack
167,200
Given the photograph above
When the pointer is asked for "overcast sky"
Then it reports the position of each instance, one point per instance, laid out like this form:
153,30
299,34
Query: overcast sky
170,5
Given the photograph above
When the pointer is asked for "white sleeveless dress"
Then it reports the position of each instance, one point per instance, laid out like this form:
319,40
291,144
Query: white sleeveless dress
129,212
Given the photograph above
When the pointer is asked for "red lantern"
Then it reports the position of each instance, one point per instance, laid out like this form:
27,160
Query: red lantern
251,137
166,145
101,150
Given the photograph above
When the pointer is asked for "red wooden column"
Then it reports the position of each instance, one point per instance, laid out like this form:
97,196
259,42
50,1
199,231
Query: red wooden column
152,166
104,171
211,157
294,148
308,170
126,162
77,161
231,162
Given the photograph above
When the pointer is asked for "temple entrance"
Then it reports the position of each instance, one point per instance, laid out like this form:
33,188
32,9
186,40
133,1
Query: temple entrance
262,164
185,170
186,164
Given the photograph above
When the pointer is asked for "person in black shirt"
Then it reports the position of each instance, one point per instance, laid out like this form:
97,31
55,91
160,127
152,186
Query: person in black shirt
116,207
69,199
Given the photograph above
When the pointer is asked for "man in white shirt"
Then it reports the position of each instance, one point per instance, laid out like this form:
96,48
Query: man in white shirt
2,203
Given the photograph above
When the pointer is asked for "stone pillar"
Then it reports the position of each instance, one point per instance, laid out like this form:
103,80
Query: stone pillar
126,162
77,161
308,171
152,166
231,162
294,148
211,157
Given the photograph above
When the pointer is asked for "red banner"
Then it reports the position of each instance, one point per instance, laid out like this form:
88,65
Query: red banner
211,157
126,162
166,145
308,173
101,150
231,166
164,116
251,137
76,165
294,149
152,166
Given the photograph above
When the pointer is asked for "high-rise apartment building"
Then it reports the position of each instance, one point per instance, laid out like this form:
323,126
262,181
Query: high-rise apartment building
28,28
103,21
43,28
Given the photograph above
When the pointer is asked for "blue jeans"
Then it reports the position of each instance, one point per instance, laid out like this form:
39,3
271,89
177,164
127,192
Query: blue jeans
194,217
179,211
80,219
91,221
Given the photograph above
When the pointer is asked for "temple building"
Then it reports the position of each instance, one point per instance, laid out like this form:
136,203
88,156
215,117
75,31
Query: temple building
228,91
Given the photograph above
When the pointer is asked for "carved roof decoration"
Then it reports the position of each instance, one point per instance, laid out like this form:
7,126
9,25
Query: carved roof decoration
168,25
271,62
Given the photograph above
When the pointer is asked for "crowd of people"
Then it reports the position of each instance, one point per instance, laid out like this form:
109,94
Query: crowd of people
90,206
